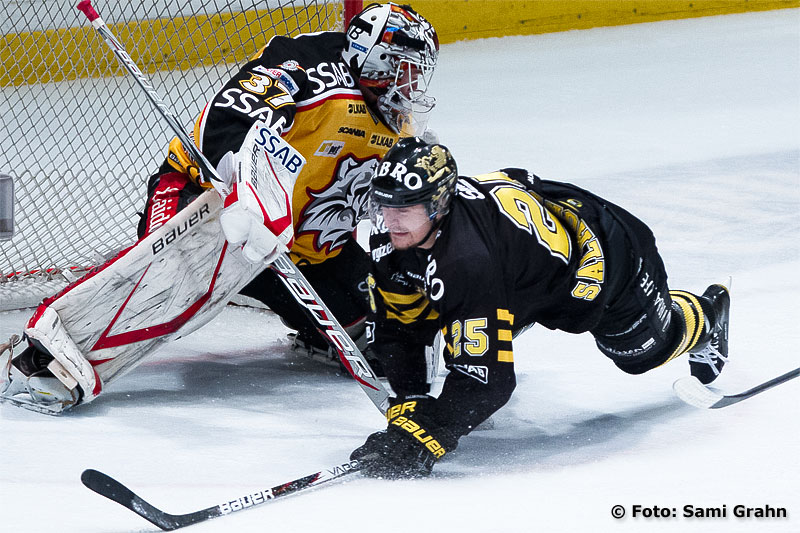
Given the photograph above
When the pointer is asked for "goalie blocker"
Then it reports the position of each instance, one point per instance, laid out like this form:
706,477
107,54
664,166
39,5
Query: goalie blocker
167,285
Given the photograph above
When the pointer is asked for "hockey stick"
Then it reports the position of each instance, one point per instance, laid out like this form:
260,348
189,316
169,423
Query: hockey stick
112,489
351,357
690,390
349,354
125,60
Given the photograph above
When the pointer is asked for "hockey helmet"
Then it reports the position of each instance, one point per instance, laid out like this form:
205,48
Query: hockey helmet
414,172
393,51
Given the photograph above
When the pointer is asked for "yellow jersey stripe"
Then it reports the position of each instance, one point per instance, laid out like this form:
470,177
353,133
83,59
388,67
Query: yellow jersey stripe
503,314
505,356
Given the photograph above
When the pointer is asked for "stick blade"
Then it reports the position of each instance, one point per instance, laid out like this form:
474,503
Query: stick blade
690,390
105,485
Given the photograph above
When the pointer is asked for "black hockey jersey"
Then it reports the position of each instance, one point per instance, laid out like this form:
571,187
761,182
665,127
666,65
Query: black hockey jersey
302,87
513,251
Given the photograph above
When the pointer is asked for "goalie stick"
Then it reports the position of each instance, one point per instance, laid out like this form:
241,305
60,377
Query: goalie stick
690,390
351,357
125,60
112,489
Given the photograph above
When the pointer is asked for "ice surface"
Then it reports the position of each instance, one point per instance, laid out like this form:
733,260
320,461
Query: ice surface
694,126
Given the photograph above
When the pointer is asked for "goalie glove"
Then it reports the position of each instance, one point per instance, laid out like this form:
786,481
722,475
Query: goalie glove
409,446
180,160
258,209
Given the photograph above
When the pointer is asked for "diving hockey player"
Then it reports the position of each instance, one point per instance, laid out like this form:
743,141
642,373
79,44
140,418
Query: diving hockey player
296,135
481,259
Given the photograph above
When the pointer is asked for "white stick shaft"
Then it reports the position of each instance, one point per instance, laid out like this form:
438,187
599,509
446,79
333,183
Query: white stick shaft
144,82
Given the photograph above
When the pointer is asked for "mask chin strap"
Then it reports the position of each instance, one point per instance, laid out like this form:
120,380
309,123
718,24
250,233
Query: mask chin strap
436,225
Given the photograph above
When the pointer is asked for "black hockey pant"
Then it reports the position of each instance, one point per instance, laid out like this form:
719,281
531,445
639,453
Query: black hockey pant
639,329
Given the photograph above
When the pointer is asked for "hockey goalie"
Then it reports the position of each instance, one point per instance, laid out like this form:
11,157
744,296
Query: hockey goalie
295,136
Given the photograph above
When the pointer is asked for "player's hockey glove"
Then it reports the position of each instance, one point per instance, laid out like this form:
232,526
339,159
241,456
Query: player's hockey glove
258,209
409,446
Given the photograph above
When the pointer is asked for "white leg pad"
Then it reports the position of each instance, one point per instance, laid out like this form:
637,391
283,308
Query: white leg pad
165,286
71,368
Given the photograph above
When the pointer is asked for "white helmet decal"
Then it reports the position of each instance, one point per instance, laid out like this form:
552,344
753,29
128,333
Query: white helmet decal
363,33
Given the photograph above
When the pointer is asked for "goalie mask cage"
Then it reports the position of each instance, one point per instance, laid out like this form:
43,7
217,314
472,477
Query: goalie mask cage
78,136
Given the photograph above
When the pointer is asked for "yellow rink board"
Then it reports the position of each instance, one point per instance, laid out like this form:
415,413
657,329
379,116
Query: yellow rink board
188,42
179,43
476,19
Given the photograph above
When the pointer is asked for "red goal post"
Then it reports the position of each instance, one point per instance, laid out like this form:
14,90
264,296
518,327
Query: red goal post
79,140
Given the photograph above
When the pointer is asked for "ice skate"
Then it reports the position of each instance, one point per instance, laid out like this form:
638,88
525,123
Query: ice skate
28,380
315,351
328,356
710,353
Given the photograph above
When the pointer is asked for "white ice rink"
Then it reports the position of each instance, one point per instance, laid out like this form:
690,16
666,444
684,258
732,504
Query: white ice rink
694,126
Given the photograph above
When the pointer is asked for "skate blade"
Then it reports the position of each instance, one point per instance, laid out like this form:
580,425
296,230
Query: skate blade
690,390
53,409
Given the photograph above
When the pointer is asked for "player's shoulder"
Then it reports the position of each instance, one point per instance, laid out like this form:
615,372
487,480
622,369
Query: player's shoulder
473,205
466,238
306,50
475,187
313,61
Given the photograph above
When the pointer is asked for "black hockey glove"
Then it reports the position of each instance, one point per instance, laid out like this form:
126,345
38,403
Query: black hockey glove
409,446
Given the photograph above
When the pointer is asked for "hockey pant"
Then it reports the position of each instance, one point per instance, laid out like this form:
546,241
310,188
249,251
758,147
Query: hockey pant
168,192
340,282
639,329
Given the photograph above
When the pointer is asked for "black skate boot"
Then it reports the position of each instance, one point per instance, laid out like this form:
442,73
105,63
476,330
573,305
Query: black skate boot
710,353
324,353
316,349
33,361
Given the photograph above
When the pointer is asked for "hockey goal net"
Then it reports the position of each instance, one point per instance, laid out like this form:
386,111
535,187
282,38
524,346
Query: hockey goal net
78,137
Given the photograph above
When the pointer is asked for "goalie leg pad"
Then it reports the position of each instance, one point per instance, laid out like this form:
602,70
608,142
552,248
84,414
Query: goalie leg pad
47,332
167,285
40,390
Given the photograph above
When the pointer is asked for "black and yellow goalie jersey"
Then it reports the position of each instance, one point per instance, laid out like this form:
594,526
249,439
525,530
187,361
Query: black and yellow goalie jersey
513,251
302,88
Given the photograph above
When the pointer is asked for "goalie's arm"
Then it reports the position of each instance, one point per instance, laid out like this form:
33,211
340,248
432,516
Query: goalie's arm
257,93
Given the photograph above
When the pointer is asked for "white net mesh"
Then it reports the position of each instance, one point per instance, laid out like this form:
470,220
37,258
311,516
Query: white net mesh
78,136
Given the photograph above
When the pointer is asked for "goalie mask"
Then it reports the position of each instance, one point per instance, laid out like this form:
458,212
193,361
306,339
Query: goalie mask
393,51
413,173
